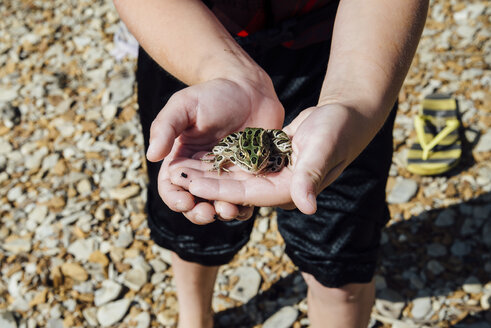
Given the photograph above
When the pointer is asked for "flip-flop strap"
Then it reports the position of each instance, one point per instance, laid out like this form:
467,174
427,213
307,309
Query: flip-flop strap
419,124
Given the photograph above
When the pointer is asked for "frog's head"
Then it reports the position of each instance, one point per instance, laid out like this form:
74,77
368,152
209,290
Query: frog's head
254,150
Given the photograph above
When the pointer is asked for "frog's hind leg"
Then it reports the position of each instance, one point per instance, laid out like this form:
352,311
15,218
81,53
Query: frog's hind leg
275,163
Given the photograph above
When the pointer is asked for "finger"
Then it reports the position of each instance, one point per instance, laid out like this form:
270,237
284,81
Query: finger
245,212
175,197
202,213
226,211
176,116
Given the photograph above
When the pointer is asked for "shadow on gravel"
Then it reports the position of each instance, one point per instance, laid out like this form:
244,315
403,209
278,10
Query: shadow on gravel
438,253
430,256
286,291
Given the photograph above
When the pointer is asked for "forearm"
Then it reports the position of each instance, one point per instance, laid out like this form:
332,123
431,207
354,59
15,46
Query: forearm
373,44
186,39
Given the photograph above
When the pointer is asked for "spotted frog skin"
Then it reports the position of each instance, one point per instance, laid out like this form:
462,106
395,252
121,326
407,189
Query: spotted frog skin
255,150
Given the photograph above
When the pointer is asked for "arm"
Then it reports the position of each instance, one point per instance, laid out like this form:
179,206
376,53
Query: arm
373,44
186,39
228,91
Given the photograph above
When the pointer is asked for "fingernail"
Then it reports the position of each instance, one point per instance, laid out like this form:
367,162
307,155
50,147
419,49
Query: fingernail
311,200
151,150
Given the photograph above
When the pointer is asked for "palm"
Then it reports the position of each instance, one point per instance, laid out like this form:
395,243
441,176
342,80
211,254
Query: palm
194,120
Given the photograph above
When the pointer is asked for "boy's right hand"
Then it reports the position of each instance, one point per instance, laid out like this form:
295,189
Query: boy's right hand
194,120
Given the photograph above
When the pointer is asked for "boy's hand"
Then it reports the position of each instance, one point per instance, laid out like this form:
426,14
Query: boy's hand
193,121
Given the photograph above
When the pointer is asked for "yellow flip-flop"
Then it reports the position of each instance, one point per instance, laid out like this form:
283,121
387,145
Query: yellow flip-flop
438,147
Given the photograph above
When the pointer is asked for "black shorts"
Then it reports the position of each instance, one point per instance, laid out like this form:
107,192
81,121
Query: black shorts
338,244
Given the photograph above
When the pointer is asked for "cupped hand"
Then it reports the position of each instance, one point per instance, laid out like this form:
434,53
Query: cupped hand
325,140
193,121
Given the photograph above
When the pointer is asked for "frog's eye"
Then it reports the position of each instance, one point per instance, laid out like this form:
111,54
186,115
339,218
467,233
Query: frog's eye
241,155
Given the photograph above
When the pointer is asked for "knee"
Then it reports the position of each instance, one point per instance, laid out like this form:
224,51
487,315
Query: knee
350,293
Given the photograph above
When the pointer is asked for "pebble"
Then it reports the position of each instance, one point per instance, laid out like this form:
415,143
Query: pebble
435,267
124,193
484,143
421,308
445,218
109,112
75,271
109,291
436,250
460,248
403,191
247,285
125,237
90,314
7,320
284,318
472,285
113,312
82,249
135,278
389,303
142,320
18,245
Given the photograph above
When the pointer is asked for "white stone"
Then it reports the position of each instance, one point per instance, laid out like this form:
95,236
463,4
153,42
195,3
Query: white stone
82,248
8,93
90,314
18,245
248,284
472,285
111,177
109,291
14,194
158,265
135,278
112,313
403,191
109,112
484,144
421,308
5,146
284,318
125,237
142,320
7,320
121,87
84,187
38,214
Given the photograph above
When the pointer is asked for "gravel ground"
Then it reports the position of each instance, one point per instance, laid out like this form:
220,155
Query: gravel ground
74,245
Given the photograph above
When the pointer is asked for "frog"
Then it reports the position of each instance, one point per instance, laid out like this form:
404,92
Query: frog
254,150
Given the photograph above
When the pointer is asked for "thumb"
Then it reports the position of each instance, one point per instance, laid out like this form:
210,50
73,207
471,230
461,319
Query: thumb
307,177
176,116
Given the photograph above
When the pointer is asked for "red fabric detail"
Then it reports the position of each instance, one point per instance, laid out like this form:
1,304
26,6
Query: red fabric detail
243,33
308,6
287,44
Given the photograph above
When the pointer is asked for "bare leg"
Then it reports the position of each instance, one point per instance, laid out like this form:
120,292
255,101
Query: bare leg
346,307
195,284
